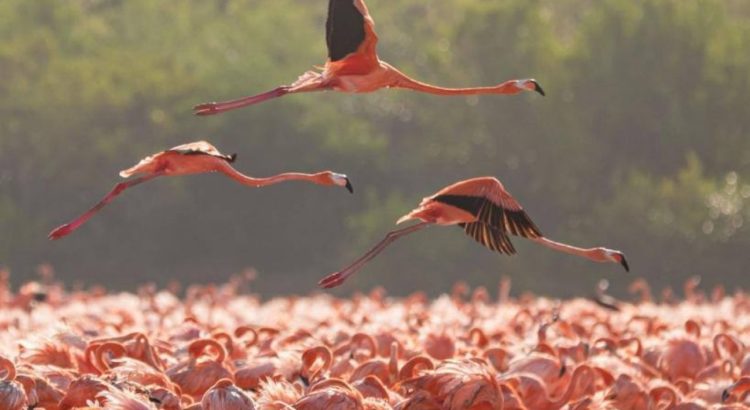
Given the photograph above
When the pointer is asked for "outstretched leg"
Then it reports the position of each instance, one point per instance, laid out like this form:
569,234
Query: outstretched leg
337,278
68,228
220,107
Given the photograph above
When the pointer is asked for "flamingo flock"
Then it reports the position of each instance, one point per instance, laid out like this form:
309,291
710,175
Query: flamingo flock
482,206
216,348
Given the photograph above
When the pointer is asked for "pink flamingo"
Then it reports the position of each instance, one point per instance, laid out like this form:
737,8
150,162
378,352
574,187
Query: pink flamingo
353,66
486,212
195,158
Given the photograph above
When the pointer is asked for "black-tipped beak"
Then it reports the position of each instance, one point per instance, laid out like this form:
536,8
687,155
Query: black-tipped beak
538,88
349,186
624,263
725,395
232,158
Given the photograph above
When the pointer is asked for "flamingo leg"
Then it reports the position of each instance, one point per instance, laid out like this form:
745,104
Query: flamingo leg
68,228
337,278
220,107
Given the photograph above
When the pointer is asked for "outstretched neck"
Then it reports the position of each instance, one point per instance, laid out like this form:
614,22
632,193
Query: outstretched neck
580,374
401,80
229,171
589,253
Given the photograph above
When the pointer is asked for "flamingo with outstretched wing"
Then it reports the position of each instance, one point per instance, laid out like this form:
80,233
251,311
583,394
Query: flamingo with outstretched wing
194,158
487,213
353,66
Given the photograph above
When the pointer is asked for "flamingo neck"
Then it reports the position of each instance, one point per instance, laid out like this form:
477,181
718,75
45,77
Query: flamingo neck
393,361
198,347
740,387
401,80
589,253
578,374
9,367
115,349
228,170
657,393
310,357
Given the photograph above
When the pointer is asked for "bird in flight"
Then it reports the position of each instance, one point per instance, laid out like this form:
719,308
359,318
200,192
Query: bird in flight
353,66
487,213
194,158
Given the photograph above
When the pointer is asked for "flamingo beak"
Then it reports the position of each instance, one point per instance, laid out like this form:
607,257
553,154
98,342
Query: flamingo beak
624,263
725,395
349,186
538,88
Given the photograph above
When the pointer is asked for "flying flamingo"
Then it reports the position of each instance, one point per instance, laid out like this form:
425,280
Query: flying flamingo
486,212
194,158
353,65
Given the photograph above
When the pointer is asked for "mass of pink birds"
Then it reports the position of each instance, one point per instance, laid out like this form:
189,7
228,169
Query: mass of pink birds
218,349
215,348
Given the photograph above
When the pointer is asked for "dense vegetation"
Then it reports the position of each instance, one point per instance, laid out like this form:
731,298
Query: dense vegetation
642,144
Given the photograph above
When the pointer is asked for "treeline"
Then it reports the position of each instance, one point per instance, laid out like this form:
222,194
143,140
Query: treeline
642,143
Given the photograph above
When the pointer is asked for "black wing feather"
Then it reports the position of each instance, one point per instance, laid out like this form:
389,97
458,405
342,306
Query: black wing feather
494,239
515,222
345,29
227,158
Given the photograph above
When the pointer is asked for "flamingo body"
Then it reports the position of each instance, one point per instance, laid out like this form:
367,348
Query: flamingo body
486,212
481,206
353,66
192,158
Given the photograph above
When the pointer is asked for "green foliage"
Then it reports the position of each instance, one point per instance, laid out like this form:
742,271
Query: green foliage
642,143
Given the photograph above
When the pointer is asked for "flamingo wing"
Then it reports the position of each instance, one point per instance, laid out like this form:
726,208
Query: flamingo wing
200,148
499,216
490,203
350,33
492,238
494,221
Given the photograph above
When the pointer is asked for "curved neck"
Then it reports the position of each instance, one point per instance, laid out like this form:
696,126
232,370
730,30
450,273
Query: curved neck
590,253
401,80
310,357
9,367
114,349
198,348
578,375
229,171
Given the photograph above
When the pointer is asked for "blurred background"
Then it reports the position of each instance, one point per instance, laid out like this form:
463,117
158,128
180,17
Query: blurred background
642,143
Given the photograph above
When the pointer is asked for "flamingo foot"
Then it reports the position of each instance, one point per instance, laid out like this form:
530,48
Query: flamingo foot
333,280
212,108
206,109
61,231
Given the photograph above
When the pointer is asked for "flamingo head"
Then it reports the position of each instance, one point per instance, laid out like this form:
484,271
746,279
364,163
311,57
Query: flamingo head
616,257
530,85
340,180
